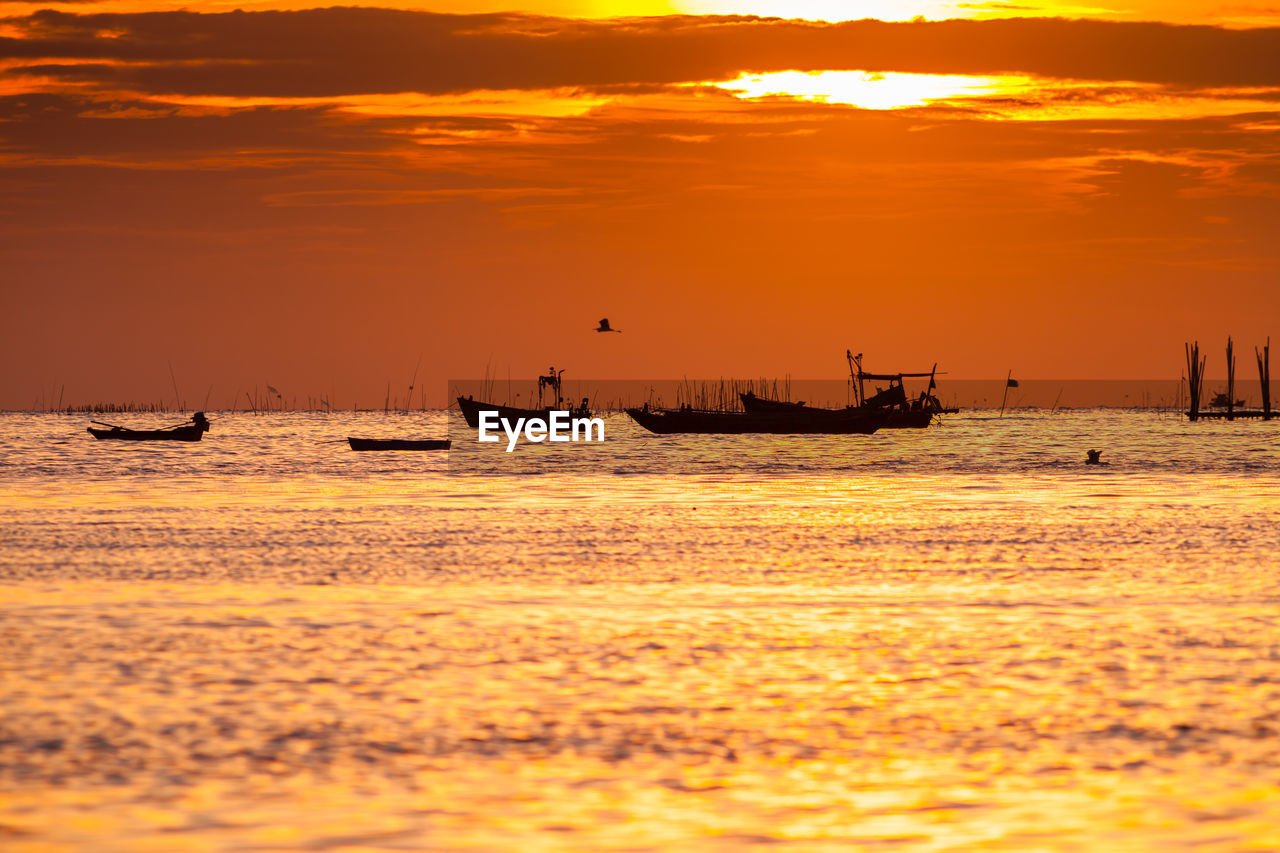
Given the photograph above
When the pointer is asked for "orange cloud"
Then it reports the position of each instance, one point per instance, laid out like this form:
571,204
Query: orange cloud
328,52
334,193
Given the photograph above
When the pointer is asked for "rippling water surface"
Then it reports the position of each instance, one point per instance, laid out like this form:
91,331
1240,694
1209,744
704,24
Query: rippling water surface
952,639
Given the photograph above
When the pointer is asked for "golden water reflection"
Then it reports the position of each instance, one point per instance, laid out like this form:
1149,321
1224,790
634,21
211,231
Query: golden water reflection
633,717
954,639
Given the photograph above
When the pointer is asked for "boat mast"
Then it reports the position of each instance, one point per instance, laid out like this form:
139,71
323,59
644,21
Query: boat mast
853,377
862,394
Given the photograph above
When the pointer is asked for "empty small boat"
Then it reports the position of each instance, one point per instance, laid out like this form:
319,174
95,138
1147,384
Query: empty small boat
689,420
398,443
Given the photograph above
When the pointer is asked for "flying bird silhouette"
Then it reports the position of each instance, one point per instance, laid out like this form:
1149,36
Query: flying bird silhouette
604,327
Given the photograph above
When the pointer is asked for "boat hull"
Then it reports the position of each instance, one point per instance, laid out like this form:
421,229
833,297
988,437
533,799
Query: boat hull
183,433
471,410
398,443
889,418
671,422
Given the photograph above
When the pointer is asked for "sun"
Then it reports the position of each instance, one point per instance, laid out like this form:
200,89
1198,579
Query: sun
868,90
831,10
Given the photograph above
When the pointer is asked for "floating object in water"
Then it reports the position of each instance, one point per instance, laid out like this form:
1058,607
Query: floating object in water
889,407
192,431
915,415
471,410
398,443
1222,400
801,422
1094,458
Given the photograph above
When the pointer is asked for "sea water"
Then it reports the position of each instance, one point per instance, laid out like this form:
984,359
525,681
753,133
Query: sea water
941,639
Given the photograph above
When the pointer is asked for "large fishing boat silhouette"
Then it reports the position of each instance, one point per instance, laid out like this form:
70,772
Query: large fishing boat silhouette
548,385
890,406
687,419
886,408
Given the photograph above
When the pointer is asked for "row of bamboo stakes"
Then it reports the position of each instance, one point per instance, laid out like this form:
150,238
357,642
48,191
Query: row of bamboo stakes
724,395
1195,381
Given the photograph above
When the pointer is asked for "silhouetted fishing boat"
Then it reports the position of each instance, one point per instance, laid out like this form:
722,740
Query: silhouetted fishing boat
471,408
1222,400
182,432
687,420
889,406
398,443
889,417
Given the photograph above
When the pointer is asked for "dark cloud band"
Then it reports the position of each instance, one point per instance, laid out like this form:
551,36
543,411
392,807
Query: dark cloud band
346,51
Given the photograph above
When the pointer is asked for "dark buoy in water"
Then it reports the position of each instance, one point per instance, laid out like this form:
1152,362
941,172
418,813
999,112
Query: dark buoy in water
1095,458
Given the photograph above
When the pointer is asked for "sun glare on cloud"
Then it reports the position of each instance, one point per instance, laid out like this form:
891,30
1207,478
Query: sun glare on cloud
825,10
890,10
864,89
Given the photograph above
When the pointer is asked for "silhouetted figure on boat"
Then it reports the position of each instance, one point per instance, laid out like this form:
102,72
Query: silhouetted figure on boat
605,327
552,382
471,409
191,430
1095,458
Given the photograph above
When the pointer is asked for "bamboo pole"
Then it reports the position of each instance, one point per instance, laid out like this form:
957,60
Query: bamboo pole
1195,378
1005,398
177,397
1264,377
1266,364
408,400
1231,381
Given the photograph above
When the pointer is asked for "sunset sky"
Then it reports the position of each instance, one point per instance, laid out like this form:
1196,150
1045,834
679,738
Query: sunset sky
318,198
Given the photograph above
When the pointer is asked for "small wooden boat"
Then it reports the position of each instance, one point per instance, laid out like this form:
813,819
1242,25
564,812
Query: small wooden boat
181,433
398,443
685,420
1222,401
550,383
471,410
